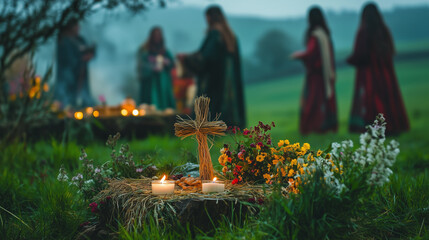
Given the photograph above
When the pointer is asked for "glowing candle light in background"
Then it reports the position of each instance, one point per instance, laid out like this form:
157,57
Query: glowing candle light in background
135,112
89,110
142,112
124,112
78,115
162,187
213,186
96,114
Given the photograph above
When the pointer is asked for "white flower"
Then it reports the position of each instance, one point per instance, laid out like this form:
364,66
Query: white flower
62,177
97,170
77,177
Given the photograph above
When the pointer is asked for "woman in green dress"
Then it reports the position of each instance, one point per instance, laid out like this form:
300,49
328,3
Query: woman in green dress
154,66
218,69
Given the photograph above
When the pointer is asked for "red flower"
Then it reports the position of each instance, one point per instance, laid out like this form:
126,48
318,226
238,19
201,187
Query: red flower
235,181
94,207
238,167
246,132
260,144
84,224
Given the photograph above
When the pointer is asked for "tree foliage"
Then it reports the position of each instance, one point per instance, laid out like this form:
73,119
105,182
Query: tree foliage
25,24
273,48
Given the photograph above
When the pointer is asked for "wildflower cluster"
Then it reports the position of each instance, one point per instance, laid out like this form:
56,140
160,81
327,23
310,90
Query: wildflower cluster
92,179
374,155
256,159
368,165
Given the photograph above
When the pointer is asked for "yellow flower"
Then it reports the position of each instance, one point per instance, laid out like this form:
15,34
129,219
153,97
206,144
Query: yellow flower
269,167
328,156
306,146
260,158
283,172
267,176
281,143
224,169
264,154
257,171
293,162
301,170
287,142
305,164
319,153
223,159
248,160
291,173
275,161
296,146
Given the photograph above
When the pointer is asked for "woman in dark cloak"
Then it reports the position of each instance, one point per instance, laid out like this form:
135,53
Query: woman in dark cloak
154,70
318,102
218,69
73,55
376,88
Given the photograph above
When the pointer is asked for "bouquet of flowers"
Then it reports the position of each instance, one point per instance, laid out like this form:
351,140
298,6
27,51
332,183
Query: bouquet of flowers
255,158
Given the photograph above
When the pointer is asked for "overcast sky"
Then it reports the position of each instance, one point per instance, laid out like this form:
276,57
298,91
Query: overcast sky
289,8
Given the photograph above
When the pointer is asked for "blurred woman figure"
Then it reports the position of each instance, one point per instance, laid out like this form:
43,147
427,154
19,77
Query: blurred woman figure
154,66
376,88
318,102
218,69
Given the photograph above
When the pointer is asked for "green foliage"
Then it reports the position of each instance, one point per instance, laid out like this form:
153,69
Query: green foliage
152,231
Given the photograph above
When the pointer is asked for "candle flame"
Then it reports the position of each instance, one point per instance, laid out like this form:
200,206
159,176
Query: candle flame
135,112
163,178
78,115
89,110
214,179
124,112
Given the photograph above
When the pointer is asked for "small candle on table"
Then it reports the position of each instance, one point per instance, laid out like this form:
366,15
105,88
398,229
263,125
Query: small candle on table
162,187
213,186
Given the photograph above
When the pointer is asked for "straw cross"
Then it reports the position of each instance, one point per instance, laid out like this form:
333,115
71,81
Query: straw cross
201,127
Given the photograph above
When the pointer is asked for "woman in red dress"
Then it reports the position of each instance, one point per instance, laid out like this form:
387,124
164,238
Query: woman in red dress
318,102
376,88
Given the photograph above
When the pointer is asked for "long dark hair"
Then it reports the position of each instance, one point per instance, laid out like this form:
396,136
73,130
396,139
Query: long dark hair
152,46
379,37
218,21
316,19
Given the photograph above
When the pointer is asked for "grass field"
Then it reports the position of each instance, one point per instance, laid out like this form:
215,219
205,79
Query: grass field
44,208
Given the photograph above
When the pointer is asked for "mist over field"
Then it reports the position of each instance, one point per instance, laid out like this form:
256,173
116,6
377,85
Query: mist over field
119,34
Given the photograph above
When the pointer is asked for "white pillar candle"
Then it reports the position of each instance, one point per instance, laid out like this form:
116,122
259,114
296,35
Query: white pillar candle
213,186
162,187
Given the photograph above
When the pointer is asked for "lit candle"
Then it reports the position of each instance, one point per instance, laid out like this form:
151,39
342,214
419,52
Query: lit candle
135,112
124,112
213,186
78,115
162,187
